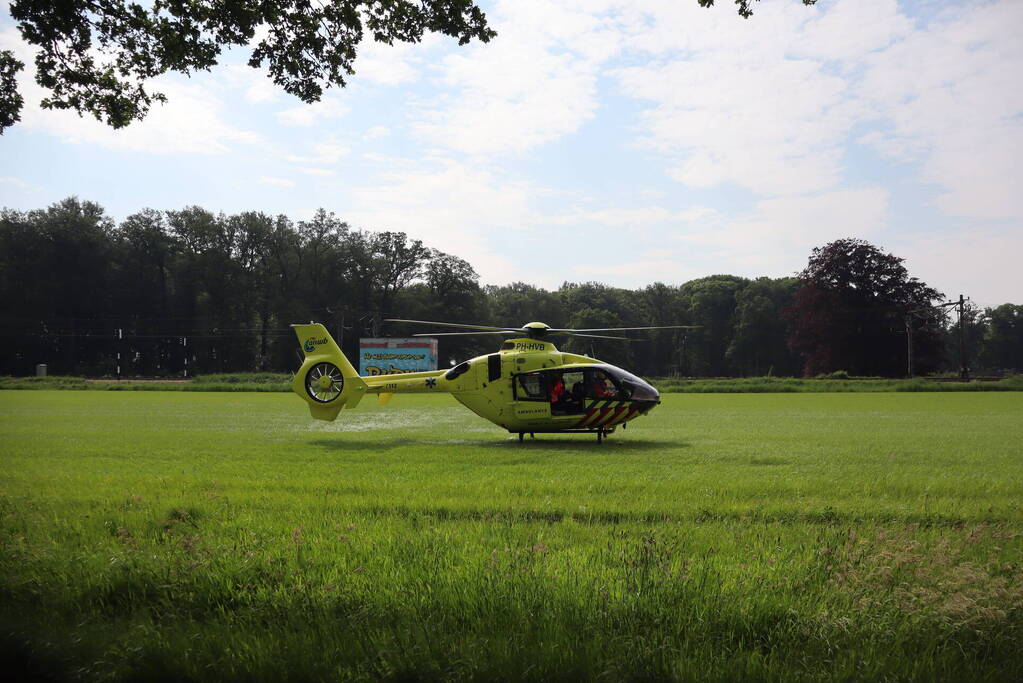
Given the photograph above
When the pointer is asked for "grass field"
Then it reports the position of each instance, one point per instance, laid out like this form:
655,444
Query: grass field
277,382
202,536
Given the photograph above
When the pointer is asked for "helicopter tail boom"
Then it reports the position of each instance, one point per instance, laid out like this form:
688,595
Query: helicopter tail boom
327,381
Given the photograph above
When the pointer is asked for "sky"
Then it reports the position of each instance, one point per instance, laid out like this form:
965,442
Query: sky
619,141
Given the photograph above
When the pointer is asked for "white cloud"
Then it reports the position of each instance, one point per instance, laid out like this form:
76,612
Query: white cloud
191,122
323,153
534,84
770,104
376,132
776,236
982,264
276,182
451,206
636,218
657,265
950,95
306,115
851,29
738,103
391,65
322,172
553,96
782,226
256,85
773,238
773,129
18,183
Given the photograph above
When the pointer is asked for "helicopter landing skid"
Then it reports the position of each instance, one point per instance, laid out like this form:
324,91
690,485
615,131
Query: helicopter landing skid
601,433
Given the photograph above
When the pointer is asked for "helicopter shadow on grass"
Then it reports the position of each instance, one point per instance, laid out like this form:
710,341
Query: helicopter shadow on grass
509,446
585,443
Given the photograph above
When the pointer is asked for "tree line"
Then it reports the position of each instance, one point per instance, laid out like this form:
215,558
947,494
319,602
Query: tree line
165,293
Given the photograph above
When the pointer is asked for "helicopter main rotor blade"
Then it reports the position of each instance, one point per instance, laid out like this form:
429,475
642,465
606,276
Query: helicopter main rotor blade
599,336
463,334
456,325
622,329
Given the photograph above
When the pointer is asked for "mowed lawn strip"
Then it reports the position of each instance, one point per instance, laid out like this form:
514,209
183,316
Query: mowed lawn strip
765,536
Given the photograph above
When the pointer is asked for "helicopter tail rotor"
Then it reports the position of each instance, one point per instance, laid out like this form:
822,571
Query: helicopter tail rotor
327,381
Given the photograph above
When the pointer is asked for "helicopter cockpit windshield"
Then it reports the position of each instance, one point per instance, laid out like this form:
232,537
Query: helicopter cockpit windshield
633,387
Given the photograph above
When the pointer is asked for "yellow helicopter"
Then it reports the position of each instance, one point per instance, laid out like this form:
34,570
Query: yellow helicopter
527,387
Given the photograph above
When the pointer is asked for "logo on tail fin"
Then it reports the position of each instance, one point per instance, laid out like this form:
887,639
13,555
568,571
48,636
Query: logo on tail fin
311,343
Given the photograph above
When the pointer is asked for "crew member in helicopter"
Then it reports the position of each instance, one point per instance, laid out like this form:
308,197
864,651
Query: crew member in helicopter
602,385
558,391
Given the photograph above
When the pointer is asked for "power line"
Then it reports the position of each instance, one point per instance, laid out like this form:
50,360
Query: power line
960,307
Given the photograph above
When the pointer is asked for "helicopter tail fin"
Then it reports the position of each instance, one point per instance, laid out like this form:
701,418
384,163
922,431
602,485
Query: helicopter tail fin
327,381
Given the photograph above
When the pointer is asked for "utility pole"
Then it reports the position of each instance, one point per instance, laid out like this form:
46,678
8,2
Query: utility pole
964,372
685,359
960,308
925,313
909,344
339,322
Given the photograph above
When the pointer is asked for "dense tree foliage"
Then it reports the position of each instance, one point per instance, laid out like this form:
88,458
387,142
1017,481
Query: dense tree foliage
11,100
218,290
850,310
166,288
759,338
98,56
1002,342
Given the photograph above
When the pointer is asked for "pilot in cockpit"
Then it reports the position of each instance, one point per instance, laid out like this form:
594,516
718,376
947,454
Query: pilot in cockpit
603,387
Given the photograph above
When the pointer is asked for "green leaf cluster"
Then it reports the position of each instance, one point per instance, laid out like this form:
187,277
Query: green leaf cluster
97,56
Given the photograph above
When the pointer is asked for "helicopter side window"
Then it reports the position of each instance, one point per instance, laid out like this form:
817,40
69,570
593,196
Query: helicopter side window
459,369
530,387
493,367
600,386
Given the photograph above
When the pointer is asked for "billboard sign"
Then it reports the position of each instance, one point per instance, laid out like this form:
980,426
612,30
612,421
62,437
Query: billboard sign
380,356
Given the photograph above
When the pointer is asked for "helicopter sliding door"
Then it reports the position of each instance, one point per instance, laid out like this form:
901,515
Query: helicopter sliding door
532,398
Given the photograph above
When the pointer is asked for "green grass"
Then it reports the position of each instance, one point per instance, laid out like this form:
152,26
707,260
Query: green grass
280,382
235,382
759,537
245,378
44,383
793,385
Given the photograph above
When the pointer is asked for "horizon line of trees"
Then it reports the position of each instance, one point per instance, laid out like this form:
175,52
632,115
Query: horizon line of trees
166,293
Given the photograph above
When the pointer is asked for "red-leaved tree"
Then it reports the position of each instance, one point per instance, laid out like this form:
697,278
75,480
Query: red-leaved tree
850,312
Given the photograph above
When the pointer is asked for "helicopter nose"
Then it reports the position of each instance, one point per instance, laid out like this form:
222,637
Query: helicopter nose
645,392
644,399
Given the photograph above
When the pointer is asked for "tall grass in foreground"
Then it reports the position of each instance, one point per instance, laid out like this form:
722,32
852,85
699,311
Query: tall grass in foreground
422,600
786,537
